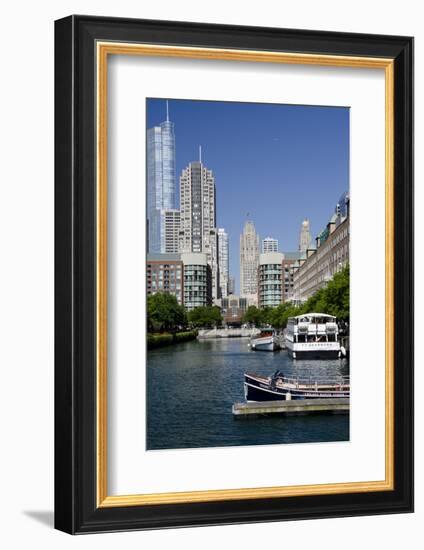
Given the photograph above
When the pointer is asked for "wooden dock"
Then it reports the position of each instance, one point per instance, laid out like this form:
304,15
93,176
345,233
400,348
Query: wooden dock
291,407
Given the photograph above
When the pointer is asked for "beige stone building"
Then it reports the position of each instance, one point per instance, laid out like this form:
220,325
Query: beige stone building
198,232
249,262
321,261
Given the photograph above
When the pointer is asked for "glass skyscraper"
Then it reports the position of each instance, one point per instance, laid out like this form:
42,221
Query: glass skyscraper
161,189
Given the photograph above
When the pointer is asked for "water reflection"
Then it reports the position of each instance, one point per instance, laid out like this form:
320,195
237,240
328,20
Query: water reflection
191,388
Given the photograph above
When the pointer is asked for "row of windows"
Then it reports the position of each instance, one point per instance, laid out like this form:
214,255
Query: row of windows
164,285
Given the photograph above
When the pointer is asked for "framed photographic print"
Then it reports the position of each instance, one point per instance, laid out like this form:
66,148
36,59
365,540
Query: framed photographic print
234,288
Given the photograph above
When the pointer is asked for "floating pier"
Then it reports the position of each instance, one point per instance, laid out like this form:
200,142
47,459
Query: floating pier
291,407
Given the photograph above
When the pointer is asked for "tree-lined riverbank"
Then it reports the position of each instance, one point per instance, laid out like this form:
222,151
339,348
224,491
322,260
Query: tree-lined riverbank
165,316
168,339
333,299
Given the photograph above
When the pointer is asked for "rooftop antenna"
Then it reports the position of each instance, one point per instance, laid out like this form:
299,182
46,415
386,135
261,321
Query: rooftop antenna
167,111
200,153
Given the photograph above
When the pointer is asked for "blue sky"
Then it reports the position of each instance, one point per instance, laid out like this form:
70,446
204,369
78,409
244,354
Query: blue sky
277,163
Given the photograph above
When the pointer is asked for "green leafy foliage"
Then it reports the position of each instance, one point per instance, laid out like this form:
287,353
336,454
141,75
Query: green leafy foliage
333,300
205,316
164,314
159,340
166,339
253,316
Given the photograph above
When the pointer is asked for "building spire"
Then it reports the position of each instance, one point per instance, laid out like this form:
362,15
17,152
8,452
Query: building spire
305,238
200,153
167,111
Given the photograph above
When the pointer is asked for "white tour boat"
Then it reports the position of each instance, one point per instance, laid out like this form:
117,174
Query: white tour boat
266,340
313,336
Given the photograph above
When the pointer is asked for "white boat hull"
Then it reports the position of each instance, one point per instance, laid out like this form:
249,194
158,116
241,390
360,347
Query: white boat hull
264,344
305,350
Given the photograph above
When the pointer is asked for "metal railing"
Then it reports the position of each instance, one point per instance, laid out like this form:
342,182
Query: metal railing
312,382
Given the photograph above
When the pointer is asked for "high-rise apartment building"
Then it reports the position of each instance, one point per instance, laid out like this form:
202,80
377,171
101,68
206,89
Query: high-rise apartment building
170,230
269,245
165,273
198,231
305,238
270,285
249,261
223,258
161,189
290,259
231,285
197,280
185,276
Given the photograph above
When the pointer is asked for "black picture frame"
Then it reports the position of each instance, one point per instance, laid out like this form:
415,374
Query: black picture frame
76,509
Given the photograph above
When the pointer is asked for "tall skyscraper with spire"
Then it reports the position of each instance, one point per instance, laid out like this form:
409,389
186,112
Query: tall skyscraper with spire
305,238
161,188
198,232
249,262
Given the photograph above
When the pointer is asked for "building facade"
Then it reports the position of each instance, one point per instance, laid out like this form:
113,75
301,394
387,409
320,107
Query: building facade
198,231
231,285
270,283
165,273
223,262
197,280
161,189
249,261
170,230
290,259
318,265
269,245
185,276
233,308
305,237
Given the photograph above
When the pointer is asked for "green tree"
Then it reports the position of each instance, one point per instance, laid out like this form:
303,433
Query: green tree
333,299
253,316
205,316
164,313
281,313
337,295
267,315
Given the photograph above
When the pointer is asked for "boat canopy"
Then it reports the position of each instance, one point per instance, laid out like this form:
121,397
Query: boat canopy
312,316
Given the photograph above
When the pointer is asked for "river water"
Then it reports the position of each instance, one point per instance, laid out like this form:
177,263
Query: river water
191,388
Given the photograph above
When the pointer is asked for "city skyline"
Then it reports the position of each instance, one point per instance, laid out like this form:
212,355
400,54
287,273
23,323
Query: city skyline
299,151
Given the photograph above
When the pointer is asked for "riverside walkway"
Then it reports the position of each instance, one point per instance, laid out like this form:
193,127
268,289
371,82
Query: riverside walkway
228,332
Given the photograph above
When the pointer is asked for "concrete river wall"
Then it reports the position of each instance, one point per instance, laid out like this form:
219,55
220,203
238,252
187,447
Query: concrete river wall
228,333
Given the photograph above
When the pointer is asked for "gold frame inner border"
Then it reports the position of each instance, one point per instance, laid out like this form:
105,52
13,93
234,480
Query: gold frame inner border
104,49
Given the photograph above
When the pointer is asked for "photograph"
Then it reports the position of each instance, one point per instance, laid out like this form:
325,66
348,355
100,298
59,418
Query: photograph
229,347
247,273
